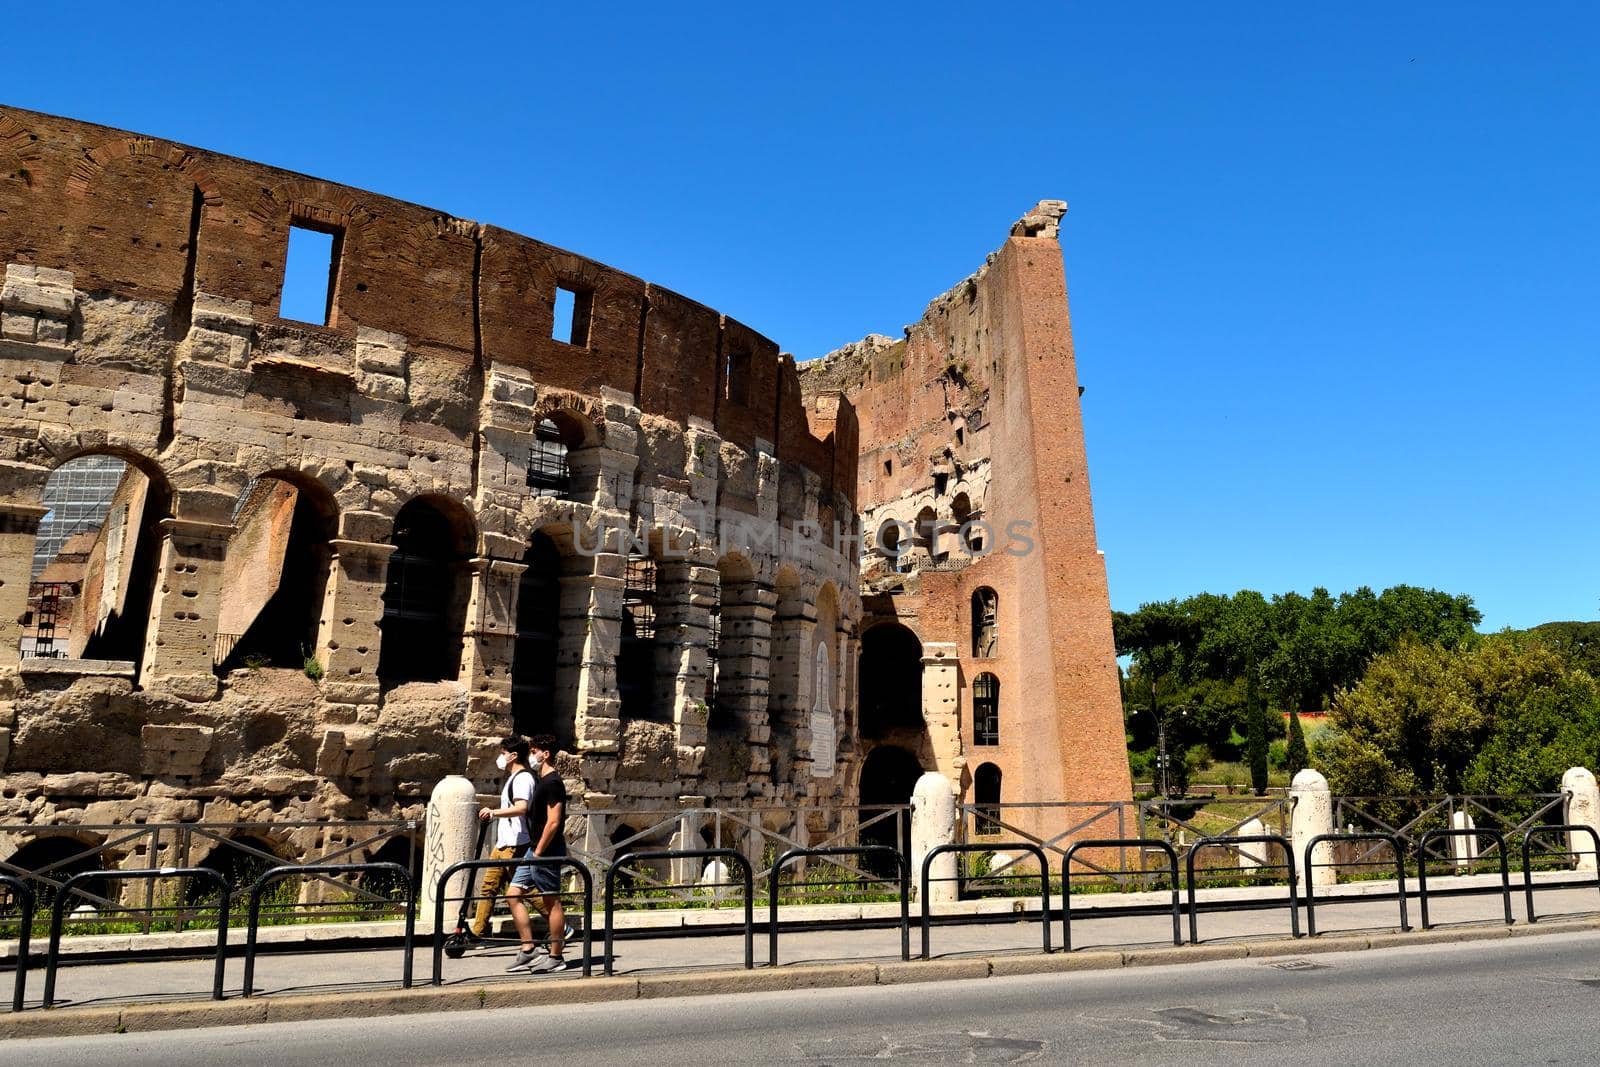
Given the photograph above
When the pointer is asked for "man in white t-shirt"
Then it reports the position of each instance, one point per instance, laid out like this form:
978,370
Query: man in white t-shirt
510,831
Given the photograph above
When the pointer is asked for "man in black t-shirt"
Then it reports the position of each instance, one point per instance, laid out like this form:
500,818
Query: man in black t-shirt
547,821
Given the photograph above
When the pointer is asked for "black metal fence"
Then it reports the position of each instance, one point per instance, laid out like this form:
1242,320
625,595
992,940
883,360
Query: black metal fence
1427,846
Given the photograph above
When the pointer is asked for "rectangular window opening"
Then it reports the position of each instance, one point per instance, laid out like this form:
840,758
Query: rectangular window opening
888,466
736,378
572,312
310,272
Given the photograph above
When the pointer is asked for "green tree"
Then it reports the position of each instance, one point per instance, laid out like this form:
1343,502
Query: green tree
1257,743
1297,758
1503,714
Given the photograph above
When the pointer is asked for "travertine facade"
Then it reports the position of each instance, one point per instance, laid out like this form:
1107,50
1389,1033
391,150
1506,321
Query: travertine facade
983,570
344,573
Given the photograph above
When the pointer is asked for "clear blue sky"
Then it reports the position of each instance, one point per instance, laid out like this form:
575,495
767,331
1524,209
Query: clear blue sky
1334,273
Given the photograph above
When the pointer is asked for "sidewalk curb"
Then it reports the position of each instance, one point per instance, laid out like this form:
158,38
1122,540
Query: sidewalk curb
193,1014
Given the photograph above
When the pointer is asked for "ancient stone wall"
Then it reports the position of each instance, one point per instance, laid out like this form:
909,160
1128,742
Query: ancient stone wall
139,317
974,483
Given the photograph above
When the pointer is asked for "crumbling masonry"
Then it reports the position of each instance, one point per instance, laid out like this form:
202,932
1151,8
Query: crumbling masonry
256,568
346,556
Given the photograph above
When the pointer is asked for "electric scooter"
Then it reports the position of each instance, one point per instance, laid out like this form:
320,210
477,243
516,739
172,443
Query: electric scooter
456,945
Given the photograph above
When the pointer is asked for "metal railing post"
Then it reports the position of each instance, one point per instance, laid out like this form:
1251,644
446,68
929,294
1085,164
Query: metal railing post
987,846
1527,859
559,862
901,881
1422,866
1121,843
1229,841
1399,874
23,895
70,886
278,874
669,854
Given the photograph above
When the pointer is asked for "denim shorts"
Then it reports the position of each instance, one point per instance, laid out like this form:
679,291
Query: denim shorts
543,878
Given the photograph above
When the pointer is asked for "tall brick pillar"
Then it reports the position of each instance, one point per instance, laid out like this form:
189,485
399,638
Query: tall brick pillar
348,633
180,641
19,527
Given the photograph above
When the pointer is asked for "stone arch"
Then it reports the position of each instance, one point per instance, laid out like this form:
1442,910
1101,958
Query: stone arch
48,859
96,557
240,859
581,422
86,172
559,465
276,570
922,530
426,590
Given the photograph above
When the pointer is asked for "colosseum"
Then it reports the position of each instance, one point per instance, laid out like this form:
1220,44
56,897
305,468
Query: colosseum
260,568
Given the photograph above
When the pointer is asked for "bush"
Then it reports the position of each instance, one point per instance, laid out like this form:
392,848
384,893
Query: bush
1278,755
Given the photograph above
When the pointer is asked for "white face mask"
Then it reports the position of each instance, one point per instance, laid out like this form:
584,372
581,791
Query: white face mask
502,761
538,759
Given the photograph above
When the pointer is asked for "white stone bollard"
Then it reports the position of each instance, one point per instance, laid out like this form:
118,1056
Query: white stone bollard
1250,855
1312,816
452,834
717,878
933,823
1583,809
1463,847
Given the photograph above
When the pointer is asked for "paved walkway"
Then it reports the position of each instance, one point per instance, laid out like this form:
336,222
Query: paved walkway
281,972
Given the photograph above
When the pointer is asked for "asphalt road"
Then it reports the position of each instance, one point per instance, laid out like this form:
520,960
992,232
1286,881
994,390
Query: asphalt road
1524,1001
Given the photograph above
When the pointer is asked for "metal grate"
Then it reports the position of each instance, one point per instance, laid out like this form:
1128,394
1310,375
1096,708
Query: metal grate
639,596
48,598
548,473
713,649
986,710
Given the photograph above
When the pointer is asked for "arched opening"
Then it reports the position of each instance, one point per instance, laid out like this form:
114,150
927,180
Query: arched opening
555,438
95,561
240,861
890,681
388,884
275,573
986,710
535,707
962,513
824,684
45,863
423,604
894,541
924,532
888,776
986,798
636,652
985,622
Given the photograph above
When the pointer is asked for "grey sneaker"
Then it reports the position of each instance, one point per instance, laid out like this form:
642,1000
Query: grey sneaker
524,960
546,964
